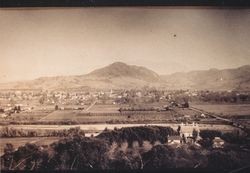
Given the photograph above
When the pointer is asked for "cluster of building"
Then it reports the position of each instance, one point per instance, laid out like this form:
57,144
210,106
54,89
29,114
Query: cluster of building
189,134
115,96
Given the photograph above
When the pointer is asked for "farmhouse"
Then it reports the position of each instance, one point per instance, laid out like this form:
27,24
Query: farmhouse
190,140
203,115
186,116
218,142
3,115
1,110
174,139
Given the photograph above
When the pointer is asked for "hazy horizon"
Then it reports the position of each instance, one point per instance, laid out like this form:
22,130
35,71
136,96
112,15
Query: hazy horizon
75,41
116,62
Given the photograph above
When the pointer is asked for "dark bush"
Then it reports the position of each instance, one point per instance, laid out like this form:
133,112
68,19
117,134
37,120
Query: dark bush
79,153
164,156
223,160
210,134
130,159
27,157
159,157
234,138
206,143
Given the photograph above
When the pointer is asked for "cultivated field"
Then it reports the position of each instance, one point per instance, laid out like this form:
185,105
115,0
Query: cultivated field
83,117
31,116
226,110
185,111
100,113
99,108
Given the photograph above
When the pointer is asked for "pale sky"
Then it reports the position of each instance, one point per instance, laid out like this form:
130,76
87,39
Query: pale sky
74,41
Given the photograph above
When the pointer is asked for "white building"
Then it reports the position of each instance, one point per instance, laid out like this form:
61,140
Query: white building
218,142
174,139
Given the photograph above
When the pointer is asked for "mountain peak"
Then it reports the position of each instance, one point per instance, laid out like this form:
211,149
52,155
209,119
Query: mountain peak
118,63
120,69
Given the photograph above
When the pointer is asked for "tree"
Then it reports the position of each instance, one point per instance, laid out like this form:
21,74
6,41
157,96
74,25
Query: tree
179,129
41,100
184,138
139,134
210,134
79,153
19,108
7,158
12,102
206,143
195,134
130,159
223,160
8,148
1,110
234,138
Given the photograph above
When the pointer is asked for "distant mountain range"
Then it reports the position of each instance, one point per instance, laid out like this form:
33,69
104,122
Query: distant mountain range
213,79
123,76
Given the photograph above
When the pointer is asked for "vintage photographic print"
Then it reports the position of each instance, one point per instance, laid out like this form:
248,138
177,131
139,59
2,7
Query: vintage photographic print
125,88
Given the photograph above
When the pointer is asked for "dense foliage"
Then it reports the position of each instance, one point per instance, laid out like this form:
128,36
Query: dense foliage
230,137
139,134
108,151
12,132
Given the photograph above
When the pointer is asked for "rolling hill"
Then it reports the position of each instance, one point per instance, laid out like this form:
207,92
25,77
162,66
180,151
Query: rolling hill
212,79
116,75
120,70
123,76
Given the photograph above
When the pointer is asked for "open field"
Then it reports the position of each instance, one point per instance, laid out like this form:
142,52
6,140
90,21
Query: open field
226,110
103,114
83,117
111,115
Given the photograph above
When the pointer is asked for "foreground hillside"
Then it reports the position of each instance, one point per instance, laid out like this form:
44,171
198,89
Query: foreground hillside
122,76
118,150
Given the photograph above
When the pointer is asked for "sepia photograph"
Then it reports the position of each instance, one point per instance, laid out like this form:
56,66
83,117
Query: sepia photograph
125,88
